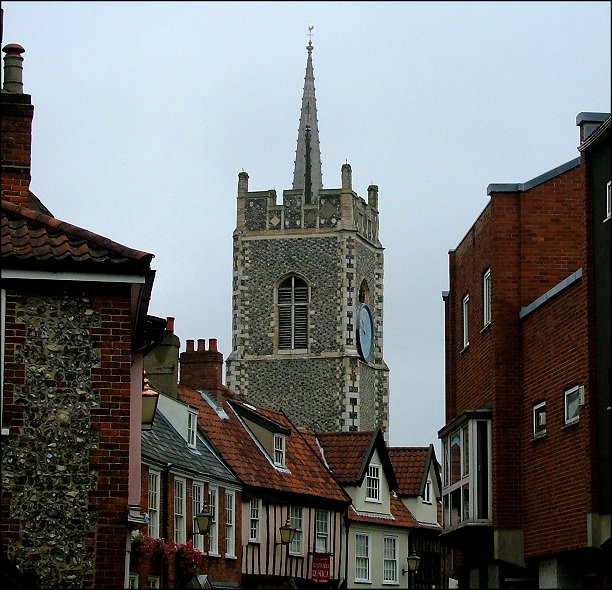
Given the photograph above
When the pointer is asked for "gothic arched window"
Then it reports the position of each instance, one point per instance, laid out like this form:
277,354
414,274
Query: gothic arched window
293,299
364,293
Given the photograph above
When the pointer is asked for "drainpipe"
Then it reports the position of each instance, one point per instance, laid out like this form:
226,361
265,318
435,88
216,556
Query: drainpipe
346,550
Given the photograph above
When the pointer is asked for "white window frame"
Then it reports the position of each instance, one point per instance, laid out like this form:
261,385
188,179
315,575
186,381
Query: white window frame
255,520
390,561
322,531
133,581
465,306
197,503
608,200
470,493
571,396
154,498
192,425
486,298
427,492
539,419
153,582
230,523
180,503
362,558
372,481
279,449
296,517
213,506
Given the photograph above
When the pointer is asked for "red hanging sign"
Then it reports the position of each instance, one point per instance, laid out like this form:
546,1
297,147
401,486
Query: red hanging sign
320,568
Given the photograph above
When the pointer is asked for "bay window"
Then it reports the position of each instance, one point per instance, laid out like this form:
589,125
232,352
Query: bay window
466,492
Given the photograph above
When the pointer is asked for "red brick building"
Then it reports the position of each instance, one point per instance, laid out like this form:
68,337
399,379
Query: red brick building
526,443
74,326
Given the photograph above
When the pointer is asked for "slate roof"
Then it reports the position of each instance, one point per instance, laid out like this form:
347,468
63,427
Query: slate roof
411,466
305,474
163,444
37,241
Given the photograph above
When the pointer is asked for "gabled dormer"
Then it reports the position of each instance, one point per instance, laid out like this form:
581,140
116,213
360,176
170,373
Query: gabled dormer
360,462
268,434
419,482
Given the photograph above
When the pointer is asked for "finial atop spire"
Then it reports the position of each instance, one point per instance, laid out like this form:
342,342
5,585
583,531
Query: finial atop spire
307,170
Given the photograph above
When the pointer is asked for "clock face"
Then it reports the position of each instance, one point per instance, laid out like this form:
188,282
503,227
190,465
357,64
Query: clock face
365,332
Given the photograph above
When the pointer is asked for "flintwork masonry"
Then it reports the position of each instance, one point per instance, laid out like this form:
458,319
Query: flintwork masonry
47,471
329,240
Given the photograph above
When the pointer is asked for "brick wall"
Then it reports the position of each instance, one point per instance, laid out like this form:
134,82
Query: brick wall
16,146
531,240
557,466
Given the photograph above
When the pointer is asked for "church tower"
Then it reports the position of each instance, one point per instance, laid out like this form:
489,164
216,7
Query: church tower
307,301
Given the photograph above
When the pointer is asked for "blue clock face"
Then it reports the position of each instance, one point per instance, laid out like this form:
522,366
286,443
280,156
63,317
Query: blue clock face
365,332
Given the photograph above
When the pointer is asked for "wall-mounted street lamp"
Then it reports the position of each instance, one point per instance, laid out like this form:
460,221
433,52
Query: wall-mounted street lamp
413,566
203,521
149,404
287,533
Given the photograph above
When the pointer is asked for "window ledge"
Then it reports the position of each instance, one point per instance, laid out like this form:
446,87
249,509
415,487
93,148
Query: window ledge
485,328
539,436
465,348
570,424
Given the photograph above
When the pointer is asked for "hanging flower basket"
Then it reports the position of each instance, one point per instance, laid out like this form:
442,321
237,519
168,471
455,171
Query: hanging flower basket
187,560
152,547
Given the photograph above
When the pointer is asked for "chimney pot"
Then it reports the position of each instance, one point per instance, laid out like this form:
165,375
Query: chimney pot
213,344
201,345
189,345
13,68
169,324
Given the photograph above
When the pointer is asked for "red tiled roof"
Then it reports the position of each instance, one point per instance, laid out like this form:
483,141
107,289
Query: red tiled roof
305,474
409,464
345,453
35,240
400,516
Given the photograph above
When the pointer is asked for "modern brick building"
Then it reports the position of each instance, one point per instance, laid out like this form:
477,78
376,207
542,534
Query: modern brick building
526,467
307,325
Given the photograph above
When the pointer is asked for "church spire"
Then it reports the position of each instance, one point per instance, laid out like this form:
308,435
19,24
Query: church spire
307,172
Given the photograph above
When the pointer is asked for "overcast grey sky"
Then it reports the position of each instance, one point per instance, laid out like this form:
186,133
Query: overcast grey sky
145,113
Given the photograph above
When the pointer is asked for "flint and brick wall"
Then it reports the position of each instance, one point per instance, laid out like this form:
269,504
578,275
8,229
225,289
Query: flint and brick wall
67,408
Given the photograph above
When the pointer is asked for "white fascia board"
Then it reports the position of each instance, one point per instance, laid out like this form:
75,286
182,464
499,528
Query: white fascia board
70,276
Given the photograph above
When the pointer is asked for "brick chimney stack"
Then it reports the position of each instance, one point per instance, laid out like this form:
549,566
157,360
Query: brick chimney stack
17,115
201,368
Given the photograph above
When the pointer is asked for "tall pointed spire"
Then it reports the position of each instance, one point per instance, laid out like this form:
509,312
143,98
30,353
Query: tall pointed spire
307,172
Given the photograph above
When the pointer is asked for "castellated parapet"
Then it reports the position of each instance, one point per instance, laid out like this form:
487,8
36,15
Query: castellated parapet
335,209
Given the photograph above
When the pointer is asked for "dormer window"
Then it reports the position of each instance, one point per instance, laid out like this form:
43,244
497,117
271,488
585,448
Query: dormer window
192,422
373,483
279,450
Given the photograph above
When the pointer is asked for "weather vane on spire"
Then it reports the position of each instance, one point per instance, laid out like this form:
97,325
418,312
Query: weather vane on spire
310,35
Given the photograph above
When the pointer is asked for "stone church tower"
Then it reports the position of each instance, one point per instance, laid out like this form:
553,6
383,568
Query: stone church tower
307,302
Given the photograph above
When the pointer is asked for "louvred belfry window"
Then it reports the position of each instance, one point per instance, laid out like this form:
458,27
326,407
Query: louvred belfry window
293,314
